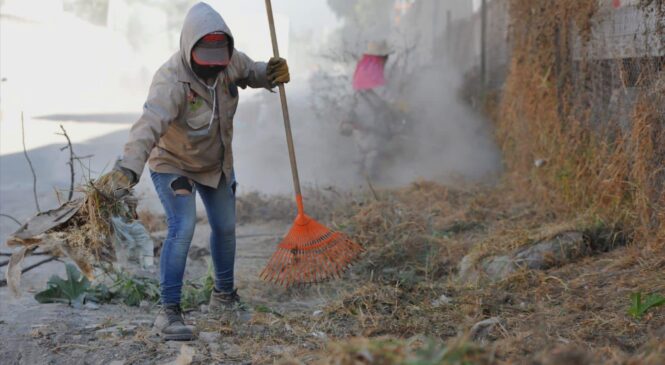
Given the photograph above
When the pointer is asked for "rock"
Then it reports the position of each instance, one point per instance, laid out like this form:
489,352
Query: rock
556,251
117,362
91,306
441,301
203,308
467,272
481,330
499,266
232,350
276,350
209,337
561,249
320,335
317,313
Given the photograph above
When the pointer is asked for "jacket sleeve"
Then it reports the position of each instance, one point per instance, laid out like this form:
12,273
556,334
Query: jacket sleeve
162,107
250,73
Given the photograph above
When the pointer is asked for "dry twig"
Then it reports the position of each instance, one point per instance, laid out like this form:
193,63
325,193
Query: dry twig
12,218
70,163
32,169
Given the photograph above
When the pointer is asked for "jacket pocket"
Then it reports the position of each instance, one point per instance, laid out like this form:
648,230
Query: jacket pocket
198,120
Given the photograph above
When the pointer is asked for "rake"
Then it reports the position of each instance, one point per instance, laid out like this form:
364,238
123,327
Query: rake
310,252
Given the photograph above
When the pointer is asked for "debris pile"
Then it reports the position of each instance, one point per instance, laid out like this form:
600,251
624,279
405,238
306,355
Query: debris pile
94,231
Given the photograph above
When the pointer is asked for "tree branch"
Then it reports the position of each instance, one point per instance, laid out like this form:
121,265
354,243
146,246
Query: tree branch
32,169
71,162
12,218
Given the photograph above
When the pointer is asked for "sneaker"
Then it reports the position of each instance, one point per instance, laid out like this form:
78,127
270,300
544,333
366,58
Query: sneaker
171,324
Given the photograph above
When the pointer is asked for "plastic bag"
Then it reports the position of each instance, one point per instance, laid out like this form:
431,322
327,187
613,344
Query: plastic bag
133,244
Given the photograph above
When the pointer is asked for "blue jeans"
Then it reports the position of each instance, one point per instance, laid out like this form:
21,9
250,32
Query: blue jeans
178,196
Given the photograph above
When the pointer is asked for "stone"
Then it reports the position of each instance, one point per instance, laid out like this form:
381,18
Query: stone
556,251
562,248
441,301
481,330
209,337
467,272
232,350
91,306
320,335
276,350
499,266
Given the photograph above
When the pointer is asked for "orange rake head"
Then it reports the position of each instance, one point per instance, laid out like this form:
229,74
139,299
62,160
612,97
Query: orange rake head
310,253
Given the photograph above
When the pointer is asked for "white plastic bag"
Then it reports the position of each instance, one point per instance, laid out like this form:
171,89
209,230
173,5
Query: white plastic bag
133,244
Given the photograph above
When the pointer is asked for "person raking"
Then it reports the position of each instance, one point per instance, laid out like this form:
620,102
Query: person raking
185,135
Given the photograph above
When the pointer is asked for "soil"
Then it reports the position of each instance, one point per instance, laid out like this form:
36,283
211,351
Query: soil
36,333
402,296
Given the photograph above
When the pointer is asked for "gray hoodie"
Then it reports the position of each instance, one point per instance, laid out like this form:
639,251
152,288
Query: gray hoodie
178,132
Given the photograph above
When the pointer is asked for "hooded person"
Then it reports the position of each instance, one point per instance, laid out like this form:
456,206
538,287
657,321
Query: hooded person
185,135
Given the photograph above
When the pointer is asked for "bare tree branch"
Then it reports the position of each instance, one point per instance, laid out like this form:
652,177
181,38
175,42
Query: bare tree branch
8,254
12,218
71,162
32,169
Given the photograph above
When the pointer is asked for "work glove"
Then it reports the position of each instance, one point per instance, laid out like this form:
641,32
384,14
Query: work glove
278,71
117,182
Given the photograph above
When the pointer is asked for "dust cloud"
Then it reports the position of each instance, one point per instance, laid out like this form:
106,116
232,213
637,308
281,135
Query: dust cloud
438,136
97,91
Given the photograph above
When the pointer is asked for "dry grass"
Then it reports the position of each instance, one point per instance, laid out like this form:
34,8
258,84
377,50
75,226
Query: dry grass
613,175
416,237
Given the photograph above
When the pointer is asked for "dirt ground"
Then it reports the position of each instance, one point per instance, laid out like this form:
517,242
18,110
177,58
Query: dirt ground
36,333
403,302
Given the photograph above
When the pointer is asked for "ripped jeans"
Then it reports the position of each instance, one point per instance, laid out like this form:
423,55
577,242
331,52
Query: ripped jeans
178,196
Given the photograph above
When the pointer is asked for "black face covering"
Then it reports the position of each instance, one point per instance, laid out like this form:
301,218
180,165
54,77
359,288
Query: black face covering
206,72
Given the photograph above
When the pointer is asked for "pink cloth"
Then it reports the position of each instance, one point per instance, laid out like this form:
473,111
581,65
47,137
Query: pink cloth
616,3
369,72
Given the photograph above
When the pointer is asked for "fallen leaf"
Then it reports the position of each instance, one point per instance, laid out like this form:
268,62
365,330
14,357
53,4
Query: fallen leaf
13,273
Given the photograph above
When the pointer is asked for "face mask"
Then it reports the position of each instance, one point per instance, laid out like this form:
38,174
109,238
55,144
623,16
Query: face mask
206,72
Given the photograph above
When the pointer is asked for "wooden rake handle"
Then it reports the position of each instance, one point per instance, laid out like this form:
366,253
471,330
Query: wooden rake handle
285,114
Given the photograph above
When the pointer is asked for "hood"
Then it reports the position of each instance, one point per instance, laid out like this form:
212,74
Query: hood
201,20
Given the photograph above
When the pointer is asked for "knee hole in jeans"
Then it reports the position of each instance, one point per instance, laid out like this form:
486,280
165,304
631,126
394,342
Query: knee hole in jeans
182,186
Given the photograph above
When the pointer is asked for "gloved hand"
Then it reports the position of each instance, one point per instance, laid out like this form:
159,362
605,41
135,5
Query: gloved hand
278,71
117,182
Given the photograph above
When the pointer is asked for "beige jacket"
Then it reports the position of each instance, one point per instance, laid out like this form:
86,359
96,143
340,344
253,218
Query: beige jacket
176,134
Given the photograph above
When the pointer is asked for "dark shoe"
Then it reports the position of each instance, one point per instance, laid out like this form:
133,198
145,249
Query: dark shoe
171,324
228,306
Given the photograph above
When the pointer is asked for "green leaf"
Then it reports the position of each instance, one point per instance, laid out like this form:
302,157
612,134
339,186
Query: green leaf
71,291
638,307
132,290
654,300
195,294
